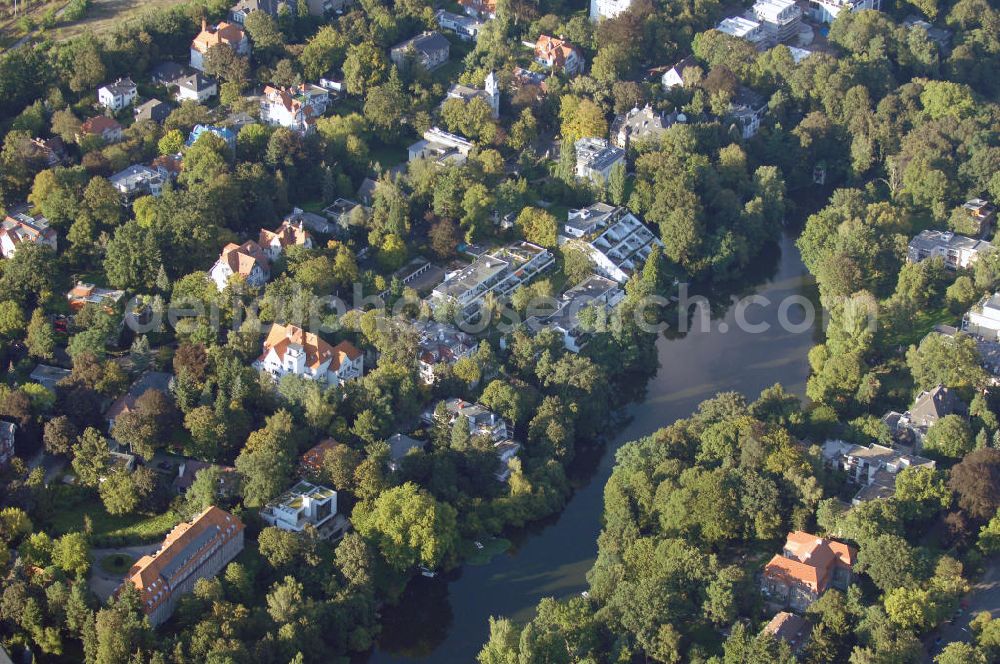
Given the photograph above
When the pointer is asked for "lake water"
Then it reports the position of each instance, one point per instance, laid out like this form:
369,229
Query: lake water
446,619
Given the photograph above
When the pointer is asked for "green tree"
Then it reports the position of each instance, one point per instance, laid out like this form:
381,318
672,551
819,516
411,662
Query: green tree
950,436
40,339
71,554
538,226
267,460
409,527
91,457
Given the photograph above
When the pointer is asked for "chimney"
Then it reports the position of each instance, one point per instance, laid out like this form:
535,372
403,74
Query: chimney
204,24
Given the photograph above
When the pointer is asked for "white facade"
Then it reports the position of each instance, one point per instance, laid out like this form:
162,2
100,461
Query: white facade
958,251
295,108
608,8
742,28
466,28
440,146
137,180
826,11
19,228
118,95
780,19
248,260
983,320
196,87
615,240
291,350
303,505
591,292
595,158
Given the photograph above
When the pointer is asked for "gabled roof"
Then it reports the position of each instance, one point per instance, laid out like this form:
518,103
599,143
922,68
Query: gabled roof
287,235
317,351
554,50
242,258
99,124
224,33
180,552
312,459
151,380
809,560
934,404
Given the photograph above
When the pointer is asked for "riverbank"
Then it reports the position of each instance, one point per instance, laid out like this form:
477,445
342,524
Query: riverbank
446,619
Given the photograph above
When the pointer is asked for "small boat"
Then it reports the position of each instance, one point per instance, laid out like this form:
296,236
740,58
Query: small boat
429,573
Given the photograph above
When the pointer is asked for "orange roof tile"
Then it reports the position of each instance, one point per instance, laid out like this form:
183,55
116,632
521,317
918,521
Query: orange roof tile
224,33
288,235
809,560
317,351
243,257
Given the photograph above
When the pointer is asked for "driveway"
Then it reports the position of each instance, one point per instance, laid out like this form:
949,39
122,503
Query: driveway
103,583
984,596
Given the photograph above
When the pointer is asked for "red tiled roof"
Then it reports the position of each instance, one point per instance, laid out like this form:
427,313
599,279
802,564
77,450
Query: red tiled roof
317,351
810,562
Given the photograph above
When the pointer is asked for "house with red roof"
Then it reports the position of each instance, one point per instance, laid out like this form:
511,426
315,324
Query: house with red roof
226,34
294,108
289,234
20,228
289,349
807,567
102,126
558,54
247,260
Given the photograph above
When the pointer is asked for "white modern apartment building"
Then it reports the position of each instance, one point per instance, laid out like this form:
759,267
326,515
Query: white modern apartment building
826,11
742,28
441,147
440,344
780,19
614,239
983,320
304,505
137,180
499,272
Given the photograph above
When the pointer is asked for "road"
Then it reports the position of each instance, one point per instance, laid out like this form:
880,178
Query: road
984,596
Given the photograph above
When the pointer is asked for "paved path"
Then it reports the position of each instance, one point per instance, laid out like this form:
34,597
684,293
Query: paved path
984,596
103,583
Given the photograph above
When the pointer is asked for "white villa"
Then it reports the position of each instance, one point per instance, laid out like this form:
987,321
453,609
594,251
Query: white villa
958,251
291,350
826,11
294,108
18,228
441,146
608,8
614,239
983,320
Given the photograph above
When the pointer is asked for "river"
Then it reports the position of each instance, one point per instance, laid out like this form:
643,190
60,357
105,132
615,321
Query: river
446,619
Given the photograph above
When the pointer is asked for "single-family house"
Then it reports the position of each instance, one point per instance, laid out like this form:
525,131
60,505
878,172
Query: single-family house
223,34
595,158
306,505
983,319
83,294
195,87
154,110
247,260
674,77
137,180
287,235
344,213
20,227
167,72
980,215
291,350
482,421
928,408
505,450
312,460
191,551
188,469
101,126
641,124
430,49
294,108
116,96
559,55
746,111
483,8
150,381
239,12
52,150
399,446
958,251
225,133
807,567
48,376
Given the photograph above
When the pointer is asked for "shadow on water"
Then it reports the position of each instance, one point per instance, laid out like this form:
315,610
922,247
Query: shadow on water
445,619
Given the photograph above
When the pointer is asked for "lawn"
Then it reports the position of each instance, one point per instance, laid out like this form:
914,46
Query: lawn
492,547
107,529
924,321
117,563
104,15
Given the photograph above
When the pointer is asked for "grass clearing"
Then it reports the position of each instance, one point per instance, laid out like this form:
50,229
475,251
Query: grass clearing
492,547
108,529
116,563
103,15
